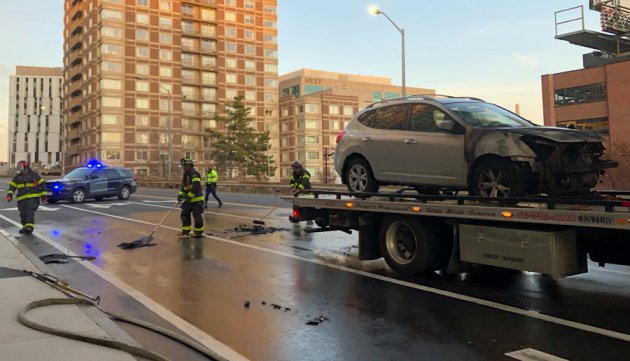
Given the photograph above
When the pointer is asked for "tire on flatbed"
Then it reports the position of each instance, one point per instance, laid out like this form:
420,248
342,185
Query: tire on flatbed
412,247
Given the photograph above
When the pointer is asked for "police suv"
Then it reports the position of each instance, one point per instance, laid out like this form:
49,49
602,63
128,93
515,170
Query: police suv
95,180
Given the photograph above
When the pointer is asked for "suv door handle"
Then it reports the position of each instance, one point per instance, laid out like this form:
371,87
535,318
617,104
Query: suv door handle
410,141
366,139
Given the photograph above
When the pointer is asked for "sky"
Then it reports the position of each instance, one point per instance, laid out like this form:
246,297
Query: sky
496,50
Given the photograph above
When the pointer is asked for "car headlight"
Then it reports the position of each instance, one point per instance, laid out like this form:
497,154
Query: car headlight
543,148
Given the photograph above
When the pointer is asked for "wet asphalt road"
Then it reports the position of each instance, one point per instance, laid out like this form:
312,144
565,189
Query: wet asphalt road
370,313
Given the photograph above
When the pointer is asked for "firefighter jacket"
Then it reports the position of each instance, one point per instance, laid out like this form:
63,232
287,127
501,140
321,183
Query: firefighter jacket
211,176
28,184
191,187
300,180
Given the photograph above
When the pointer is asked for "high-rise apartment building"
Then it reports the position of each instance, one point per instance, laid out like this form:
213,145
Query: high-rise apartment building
315,106
35,115
144,79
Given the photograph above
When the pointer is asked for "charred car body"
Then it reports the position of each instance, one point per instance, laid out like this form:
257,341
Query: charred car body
438,143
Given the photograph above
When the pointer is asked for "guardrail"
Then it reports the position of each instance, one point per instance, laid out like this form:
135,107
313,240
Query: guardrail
243,187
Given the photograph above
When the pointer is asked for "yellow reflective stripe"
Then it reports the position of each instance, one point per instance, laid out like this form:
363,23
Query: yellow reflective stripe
186,228
196,179
30,195
19,185
28,225
197,199
191,194
301,186
200,229
181,193
306,176
40,181
10,192
12,184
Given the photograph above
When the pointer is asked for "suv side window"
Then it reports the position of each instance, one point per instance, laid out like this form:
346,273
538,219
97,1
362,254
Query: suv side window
425,118
112,174
366,118
99,173
391,118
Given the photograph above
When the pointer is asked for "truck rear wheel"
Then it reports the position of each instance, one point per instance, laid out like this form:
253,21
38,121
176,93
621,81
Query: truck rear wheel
411,247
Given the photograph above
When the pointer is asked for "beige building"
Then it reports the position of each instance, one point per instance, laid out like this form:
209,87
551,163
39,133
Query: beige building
145,78
315,106
35,115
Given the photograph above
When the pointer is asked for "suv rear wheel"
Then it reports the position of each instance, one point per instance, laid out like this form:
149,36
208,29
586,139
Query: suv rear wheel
359,177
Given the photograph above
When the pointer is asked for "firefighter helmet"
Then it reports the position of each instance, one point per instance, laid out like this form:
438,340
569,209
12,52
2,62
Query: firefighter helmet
186,161
21,165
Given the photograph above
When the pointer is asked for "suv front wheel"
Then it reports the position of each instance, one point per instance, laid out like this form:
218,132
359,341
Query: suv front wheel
359,177
496,177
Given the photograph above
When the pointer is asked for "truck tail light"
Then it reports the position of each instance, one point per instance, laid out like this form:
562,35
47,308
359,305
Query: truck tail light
339,136
295,216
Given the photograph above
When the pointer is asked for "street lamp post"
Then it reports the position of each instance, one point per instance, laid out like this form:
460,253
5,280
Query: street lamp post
169,127
375,10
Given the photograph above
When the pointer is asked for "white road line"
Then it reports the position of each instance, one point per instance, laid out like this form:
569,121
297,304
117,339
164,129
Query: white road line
197,334
530,354
230,203
206,211
474,300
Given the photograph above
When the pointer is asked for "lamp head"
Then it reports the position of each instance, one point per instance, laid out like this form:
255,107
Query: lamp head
374,10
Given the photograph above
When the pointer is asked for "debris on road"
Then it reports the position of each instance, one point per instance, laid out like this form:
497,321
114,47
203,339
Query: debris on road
246,305
245,230
317,320
136,244
63,258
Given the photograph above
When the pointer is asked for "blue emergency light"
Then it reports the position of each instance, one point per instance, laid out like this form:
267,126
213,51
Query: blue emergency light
93,163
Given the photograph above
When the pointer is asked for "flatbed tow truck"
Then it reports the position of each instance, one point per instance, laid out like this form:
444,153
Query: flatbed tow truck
425,233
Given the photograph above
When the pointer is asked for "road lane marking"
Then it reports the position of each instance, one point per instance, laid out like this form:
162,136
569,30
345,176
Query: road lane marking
205,211
530,354
478,301
186,327
225,203
41,208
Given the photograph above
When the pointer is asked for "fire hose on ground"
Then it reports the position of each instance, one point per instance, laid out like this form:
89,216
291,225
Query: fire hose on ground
81,299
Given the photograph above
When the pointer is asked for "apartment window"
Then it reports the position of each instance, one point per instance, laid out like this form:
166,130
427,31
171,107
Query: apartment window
142,155
311,108
270,39
271,83
249,34
142,52
333,109
142,86
348,110
249,5
250,95
209,94
142,18
250,65
208,61
231,47
111,32
208,15
142,69
581,94
166,71
231,32
250,79
189,75
188,59
285,127
269,112
166,54
188,141
165,104
188,92
110,137
142,103
230,62
250,49
166,22
142,35
231,94
271,68
142,138
248,19
187,27
165,5
208,78
111,49
188,108
166,38
142,2
111,84
269,9
208,109
142,120
271,53
230,16
108,14
187,10
166,88
111,66
312,124
208,45
270,97
269,127
110,119
208,30
269,24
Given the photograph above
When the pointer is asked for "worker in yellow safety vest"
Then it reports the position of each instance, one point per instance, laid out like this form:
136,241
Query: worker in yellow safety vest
211,184
31,189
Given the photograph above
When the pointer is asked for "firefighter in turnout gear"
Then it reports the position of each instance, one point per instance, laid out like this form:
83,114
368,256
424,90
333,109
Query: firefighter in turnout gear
211,184
30,189
300,178
191,197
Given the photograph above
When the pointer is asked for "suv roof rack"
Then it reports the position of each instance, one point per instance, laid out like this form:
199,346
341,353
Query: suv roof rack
420,97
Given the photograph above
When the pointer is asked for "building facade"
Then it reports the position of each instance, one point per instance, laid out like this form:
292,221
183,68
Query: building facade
35,115
315,106
144,79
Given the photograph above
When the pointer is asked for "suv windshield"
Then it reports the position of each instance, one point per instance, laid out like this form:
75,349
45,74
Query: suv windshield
78,173
486,115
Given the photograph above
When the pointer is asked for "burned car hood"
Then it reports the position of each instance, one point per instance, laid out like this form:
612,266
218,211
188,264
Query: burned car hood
560,135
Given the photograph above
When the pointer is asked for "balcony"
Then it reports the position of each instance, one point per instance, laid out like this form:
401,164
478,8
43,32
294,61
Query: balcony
74,102
73,148
74,86
73,117
74,133
74,72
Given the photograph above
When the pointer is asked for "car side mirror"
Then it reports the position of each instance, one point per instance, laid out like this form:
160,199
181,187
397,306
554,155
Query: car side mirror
451,126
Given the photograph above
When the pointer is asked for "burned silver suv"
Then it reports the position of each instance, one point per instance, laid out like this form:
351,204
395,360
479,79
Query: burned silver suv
436,143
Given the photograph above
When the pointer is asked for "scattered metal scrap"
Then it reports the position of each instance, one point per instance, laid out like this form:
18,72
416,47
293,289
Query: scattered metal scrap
317,320
245,230
63,258
136,244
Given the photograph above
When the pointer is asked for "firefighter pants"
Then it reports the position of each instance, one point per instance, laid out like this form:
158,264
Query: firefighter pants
27,208
211,188
196,209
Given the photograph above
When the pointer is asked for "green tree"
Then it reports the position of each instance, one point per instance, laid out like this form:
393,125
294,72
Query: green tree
240,146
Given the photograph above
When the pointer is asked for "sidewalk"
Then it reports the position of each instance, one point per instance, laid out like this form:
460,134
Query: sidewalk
18,342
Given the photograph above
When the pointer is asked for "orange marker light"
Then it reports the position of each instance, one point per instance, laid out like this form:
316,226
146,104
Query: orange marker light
416,209
349,204
507,214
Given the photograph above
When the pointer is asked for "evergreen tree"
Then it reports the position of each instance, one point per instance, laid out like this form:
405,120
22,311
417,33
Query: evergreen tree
240,146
